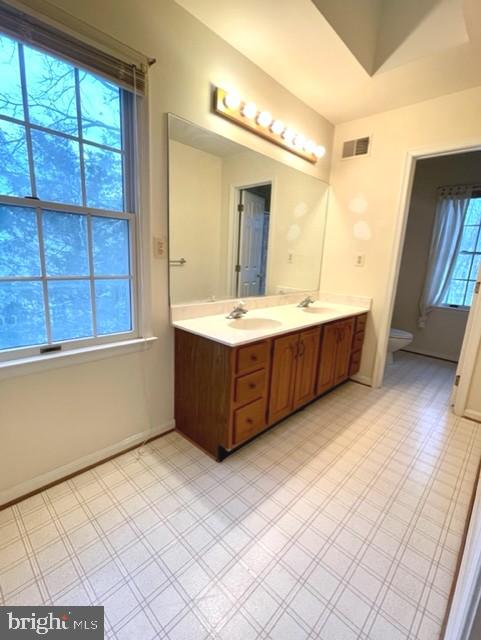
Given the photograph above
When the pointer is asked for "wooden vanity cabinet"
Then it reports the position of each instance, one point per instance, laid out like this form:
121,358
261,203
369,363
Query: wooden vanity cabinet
357,343
294,368
335,354
225,395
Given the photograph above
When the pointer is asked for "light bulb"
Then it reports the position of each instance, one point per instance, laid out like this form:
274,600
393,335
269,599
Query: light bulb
289,135
277,127
309,146
232,100
264,118
299,141
249,110
320,151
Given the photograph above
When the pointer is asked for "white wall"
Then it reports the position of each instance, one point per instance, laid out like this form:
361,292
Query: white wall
366,194
65,416
444,331
195,187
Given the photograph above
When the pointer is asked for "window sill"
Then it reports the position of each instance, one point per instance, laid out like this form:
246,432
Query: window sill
39,364
444,307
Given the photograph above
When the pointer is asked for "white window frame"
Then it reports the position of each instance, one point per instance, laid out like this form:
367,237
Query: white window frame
131,129
464,307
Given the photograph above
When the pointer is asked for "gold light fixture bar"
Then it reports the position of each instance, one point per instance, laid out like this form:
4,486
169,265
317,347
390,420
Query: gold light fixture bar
246,114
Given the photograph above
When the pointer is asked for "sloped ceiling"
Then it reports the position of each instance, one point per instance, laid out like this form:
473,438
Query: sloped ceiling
353,58
384,34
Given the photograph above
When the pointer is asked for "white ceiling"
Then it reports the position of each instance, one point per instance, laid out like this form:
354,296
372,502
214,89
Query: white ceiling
358,57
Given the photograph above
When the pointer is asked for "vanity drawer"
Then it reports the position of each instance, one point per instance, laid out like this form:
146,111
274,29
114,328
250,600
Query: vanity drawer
361,323
252,357
249,420
250,386
358,341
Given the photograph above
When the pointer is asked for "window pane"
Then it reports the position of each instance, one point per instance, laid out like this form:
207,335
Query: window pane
110,246
66,244
11,101
475,267
70,309
19,252
14,171
112,299
51,92
474,211
22,316
469,294
468,240
57,171
103,177
456,292
463,265
100,106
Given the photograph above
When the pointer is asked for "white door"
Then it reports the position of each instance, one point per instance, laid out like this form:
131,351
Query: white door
251,240
469,351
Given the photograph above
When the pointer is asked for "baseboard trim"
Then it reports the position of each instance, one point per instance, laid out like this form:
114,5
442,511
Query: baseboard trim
428,354
365,380
51,478
472,415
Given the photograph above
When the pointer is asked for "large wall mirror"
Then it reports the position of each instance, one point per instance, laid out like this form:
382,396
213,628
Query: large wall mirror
240,223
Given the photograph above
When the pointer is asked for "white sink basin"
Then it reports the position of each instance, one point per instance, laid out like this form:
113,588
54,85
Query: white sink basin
317,310
254,323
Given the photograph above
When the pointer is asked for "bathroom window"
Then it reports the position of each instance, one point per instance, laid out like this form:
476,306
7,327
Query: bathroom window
67,212
461,286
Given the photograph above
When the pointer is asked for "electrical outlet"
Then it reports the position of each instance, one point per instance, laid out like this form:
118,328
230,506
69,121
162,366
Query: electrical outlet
360,260
159,247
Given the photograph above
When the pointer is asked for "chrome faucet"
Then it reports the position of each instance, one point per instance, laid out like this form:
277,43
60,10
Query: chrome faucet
238,311
306,302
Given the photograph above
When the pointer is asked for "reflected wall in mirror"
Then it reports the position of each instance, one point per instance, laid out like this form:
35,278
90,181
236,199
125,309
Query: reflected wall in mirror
240,223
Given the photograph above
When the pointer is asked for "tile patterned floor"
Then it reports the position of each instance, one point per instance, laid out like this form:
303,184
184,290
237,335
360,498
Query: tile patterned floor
344,522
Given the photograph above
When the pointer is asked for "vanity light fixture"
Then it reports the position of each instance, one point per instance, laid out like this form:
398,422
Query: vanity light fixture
289,134
264,118
230,105
232,100
277,127
249,110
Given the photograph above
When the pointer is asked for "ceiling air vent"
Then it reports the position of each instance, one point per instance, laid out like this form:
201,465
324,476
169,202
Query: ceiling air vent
359,147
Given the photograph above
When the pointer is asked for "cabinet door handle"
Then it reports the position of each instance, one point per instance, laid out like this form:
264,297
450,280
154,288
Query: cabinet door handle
302,348
293,348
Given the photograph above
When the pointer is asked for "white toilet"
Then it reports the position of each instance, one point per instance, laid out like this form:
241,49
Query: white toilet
398,339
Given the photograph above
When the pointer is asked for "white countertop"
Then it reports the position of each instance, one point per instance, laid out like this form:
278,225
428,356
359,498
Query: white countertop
266,323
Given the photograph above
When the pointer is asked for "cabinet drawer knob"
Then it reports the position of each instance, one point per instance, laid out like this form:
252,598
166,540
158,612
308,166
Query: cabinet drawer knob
252,385
253,357
249,420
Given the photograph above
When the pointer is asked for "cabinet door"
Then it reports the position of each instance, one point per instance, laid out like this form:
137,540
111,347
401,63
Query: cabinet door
306,367
344,349
327,359
284,359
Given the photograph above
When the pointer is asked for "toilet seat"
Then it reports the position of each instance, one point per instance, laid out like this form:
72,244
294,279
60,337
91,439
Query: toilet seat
399,333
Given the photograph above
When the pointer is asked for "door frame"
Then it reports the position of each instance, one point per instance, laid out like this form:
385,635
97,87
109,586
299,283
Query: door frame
234,199
471,338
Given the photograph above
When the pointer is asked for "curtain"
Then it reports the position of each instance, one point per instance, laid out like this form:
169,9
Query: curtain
451,213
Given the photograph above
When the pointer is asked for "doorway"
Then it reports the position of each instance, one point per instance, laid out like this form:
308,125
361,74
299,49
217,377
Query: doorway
434,296
252,239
